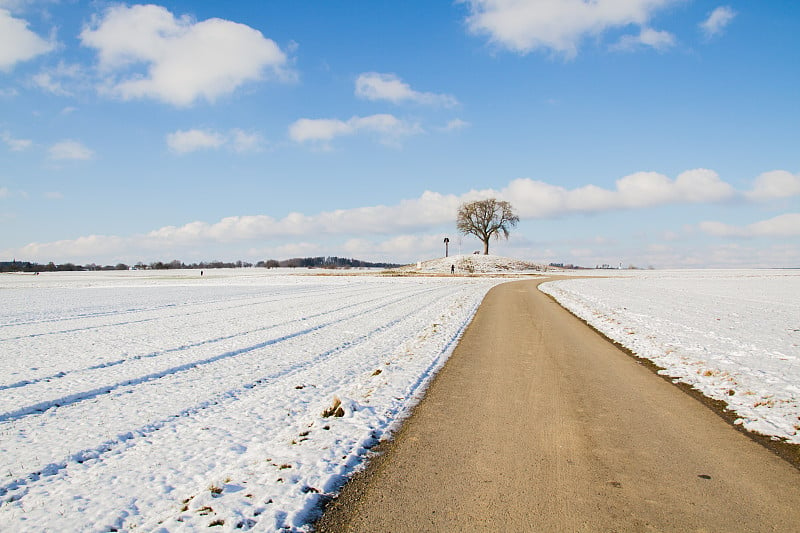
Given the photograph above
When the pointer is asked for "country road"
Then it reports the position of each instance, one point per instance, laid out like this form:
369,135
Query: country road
537,423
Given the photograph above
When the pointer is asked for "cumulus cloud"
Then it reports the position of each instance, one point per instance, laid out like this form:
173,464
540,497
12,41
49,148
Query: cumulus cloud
61,80
377,86
15,145
397,229
18,43
81,249
388,127
659,40
456,124
184,60
524,26
536,199
185,141
70,150
240,141
774,185
430,209
292,249
786,225
47,82
406,245
727,254
717,21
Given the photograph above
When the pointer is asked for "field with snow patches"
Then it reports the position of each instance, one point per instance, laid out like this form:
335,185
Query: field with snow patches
149,400
732,334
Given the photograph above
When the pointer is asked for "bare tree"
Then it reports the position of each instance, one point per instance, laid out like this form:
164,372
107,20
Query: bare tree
486,218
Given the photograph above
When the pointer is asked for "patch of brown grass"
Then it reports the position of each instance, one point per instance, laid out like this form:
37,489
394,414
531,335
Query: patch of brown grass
334,410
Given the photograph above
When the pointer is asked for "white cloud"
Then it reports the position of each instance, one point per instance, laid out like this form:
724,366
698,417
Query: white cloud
388,127
774,185
53,195
786,225
18,43
723,255
4,192
456,124
377,86
408,228
717,21
537,199
15,145
70,149
321,129
47,82
409,215
289,250
702,185
428,210
659,40
398,246
61,80
524,26
240,141
185,60
185,141
82,249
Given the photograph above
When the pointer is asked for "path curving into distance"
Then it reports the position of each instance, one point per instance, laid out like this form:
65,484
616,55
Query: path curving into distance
537,423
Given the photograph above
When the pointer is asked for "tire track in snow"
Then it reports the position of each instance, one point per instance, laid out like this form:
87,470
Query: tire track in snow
344,456
42,407
247,303
16,490
109,364
101,314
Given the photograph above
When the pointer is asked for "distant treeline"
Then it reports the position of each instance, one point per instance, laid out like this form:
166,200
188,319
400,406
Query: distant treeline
323,262
27,266
298,262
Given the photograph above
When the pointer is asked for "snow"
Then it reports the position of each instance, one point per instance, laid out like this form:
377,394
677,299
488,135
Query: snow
473,264
167,401
170,401
732,334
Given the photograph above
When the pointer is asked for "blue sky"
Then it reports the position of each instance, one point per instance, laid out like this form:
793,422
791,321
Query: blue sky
656,133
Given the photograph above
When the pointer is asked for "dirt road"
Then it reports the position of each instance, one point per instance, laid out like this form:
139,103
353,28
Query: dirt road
536,423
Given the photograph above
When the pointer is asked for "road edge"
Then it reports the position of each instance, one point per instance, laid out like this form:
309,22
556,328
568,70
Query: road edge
787,451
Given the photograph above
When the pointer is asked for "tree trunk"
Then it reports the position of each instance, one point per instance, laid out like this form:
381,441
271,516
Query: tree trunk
486,247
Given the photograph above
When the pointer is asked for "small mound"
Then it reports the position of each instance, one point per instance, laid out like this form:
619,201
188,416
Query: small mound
472,264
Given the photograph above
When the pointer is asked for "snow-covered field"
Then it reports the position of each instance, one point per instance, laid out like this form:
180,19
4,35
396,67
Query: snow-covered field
168,400
732,334
473,264
150,400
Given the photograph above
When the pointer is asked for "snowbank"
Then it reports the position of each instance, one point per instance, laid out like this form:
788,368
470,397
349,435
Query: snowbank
733,335
473,264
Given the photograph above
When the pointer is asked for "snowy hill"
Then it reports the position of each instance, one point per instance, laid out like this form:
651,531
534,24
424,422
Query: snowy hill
472,264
